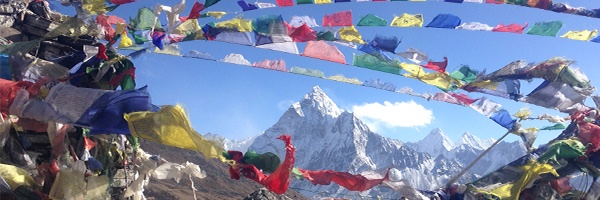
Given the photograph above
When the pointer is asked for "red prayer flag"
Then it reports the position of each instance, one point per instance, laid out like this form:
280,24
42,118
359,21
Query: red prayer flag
343,18
102,52
279,180
437,66
8,92
282,3
106,21
349,181
463,98
511,28
589,134
88,143
195,13
303,34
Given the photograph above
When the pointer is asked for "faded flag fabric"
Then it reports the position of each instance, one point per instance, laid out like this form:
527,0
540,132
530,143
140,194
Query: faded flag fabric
322,50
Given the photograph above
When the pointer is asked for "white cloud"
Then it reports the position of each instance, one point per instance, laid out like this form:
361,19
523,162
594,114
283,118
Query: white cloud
398,114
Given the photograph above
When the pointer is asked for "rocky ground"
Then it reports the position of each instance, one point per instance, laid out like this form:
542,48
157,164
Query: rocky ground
216,185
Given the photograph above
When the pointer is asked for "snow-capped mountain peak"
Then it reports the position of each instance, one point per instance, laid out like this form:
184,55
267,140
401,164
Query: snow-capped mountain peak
319,100
473,141
435,143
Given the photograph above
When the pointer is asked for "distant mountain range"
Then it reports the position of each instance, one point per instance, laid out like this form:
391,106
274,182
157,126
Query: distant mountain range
328,138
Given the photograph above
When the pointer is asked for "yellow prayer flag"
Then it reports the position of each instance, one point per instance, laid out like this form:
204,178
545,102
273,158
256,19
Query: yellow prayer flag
16,176
523,114
440,80
322,1
188,27
414,71
584,35
350,34
94,6
171,49
216,14
531,171
487,84
171,126
408,20
125,41
239,24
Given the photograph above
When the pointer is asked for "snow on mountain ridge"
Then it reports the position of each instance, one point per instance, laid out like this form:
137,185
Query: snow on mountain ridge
435,143
473,141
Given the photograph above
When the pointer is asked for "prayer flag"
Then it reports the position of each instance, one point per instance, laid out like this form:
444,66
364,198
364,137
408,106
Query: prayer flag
408,20
171,126
371,20
511,28
350,34
322,50
437,66
545,28
349,181
444,21
584,35
486,107
343,18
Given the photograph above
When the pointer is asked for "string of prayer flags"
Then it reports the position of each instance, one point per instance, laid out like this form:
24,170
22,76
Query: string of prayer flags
170,126
350,34
371,20
475,26
407,20
437,66
584,35
511,28
444,21
322,50
442,81
550,28
343,18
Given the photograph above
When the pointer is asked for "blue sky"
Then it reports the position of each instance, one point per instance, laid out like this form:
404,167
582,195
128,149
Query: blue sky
240,101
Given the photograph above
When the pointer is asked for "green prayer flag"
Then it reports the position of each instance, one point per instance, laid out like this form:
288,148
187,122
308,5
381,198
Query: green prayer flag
298,2
371,62
326,35
297,174
545,28
563,149
209,3
307,72
22,47
263,24
573,77
268,162
139,39
517,2
465,74
144,20
554,127
372,20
